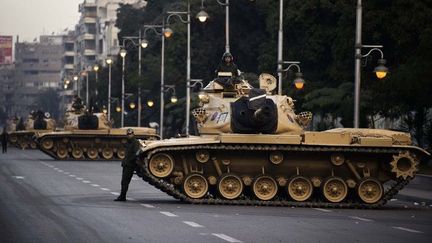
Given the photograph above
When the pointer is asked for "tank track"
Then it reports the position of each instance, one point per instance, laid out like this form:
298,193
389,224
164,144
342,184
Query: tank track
211,199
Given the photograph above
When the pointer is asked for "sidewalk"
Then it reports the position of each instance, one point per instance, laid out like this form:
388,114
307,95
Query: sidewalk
418,190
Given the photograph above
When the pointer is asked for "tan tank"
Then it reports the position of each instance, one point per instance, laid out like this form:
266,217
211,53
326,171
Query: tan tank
89,137
36,123
253,150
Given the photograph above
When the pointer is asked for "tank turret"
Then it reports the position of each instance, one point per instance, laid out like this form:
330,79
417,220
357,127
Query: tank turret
37,122
244,110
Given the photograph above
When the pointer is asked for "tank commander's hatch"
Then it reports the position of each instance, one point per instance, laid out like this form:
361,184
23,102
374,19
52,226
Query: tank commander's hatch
267,82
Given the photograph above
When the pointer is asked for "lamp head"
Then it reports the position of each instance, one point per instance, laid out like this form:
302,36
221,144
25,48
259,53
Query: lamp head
299,81
109,61
150,103
96,67
168,32
132,105
144,43
381,70
202,16
118,109
75,77
174,99
123,52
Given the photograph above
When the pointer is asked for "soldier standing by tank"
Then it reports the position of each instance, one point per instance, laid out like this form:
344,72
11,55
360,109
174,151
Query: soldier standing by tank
4,140
227,65
128,163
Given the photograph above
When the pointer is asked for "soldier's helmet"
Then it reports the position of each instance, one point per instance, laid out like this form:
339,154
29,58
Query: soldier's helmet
129,131
227,54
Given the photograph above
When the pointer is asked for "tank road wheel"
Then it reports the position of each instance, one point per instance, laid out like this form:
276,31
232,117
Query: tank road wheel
47,143
77,153
33,144
107,153
13,138
265,188
62,152
195,186
370,190
23,145
230,186
335,189
300,188
161,165
92,153
121,153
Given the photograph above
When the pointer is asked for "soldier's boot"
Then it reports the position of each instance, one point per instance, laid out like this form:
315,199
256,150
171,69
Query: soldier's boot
121,198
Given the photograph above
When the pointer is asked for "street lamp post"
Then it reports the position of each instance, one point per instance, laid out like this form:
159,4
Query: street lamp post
140,44
202,16
76,79
123,55
188,57
109,61
162,76
380,70
96,69
280,47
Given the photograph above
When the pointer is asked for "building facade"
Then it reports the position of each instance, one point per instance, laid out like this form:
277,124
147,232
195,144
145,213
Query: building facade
38,68
96,34
7,87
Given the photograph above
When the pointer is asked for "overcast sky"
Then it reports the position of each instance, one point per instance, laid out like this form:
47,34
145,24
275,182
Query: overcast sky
31,18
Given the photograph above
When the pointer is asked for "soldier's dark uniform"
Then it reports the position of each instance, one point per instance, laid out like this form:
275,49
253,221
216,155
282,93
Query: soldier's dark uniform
227,65
129,165
4,140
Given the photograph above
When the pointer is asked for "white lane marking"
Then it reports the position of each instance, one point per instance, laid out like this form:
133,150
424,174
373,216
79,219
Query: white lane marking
193,224
168,214
147,205
60,171
408,230
115,193
19,177
323,210
362,219
95,185
393,199
79,178
66,173
84,181
131,199
105,189
227,238
72,175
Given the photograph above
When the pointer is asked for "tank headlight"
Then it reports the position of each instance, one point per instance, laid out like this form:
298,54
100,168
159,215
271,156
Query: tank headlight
203,97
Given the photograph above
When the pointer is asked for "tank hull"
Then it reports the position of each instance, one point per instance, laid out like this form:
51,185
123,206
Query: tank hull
281,170
104,144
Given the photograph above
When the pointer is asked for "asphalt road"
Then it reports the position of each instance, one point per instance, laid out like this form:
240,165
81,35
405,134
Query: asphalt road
43,200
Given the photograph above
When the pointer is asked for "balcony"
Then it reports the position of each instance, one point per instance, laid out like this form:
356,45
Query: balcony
87,36
68,67
89,52
69,54
89,20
